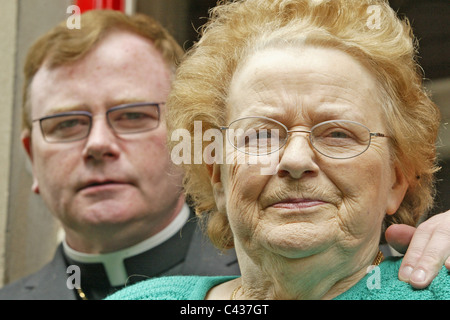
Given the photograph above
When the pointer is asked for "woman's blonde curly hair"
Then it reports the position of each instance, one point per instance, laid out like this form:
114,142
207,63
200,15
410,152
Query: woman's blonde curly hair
386,46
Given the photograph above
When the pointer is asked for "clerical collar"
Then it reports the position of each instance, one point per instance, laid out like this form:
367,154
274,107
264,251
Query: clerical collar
113,262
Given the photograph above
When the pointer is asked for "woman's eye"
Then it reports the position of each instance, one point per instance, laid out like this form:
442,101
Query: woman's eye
339,135
263,134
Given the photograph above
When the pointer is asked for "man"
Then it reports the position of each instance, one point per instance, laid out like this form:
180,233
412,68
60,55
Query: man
94,132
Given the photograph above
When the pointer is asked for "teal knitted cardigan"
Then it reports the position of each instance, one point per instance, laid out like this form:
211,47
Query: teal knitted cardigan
378,284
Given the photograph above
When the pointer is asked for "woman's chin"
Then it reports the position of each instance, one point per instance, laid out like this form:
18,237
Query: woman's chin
294,242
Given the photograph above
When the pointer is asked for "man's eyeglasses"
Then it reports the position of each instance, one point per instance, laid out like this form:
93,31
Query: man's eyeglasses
337,139
123,119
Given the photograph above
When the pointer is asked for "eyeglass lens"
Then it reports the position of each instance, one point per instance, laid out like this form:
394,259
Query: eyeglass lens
123,120
66,127
134,119
336,139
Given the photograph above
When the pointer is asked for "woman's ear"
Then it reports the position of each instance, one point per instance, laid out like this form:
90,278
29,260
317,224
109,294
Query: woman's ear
216,182
398,190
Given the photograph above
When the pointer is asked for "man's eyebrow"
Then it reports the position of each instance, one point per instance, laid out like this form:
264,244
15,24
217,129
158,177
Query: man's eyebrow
84,107
62,109
119,102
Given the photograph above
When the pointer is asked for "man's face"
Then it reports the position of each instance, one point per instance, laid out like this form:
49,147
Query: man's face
106,182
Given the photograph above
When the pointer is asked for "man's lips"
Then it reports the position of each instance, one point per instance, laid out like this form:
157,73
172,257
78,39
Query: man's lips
297,203
100,184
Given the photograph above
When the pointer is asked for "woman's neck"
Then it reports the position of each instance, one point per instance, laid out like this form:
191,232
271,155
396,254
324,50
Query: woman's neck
319,276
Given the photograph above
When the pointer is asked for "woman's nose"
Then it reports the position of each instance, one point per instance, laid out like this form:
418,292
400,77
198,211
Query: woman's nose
297,158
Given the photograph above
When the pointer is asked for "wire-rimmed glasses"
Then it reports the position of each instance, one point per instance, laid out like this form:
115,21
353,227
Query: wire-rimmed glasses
123,119
337,139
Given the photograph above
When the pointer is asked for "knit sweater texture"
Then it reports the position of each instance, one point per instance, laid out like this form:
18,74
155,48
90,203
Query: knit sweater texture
381,283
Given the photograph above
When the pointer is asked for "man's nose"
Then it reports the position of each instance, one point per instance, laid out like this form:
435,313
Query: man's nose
298,157
101,143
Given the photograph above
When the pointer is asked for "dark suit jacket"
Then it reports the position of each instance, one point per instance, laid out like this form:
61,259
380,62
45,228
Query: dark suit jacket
187,253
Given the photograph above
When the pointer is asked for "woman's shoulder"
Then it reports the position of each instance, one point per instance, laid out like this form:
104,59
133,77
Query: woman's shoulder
170,288
382,283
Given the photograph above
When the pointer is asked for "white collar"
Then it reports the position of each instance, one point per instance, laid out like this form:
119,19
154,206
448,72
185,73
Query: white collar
113,261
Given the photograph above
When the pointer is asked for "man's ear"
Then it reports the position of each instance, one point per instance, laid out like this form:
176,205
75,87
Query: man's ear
216,182
26,143
398,190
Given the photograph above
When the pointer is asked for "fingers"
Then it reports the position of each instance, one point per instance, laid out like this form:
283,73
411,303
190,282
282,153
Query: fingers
428,251
399,236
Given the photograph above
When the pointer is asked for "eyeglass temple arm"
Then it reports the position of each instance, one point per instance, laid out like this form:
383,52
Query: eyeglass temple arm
377,134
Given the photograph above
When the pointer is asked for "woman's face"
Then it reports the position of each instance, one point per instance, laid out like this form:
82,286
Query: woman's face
311,204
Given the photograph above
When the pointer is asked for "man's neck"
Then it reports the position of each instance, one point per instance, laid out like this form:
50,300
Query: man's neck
113,261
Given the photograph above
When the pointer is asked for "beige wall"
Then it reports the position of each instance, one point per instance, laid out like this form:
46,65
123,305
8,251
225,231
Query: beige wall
8,40
28,233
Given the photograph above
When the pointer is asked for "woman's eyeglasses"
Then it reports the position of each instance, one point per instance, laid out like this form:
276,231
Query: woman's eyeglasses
337,139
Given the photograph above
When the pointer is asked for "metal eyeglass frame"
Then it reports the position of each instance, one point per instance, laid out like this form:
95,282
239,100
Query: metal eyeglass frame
89,115
371,134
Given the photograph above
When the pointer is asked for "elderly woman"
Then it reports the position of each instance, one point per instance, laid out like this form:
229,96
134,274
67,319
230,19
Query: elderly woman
328,138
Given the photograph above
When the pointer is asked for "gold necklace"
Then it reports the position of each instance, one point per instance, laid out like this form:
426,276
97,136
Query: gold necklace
81,294
235,291
378,258
375,262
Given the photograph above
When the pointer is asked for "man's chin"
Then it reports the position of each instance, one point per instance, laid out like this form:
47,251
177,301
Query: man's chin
108,212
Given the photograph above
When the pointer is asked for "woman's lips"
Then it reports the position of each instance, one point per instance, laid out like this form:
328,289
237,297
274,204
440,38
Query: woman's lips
298,203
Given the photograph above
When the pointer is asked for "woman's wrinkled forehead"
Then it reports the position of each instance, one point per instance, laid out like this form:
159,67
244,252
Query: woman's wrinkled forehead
325,80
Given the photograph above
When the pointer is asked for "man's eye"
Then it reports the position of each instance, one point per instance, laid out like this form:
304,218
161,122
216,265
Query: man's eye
133,116
68,124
